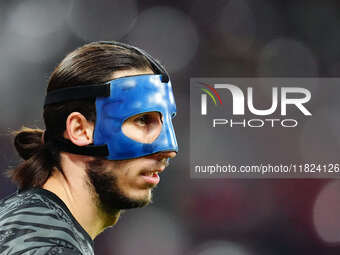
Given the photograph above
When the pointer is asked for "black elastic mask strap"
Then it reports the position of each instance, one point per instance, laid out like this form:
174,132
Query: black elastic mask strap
89,150
78,92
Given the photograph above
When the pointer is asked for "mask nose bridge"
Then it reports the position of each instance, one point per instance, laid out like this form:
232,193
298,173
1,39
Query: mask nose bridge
167,135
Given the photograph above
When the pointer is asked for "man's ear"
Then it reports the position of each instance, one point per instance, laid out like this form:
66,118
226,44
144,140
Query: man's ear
78,129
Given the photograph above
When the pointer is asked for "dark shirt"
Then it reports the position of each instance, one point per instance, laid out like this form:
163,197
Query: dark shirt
37,222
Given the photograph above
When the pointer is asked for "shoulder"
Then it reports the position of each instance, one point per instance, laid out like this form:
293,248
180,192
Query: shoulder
33,210
50,251
32,219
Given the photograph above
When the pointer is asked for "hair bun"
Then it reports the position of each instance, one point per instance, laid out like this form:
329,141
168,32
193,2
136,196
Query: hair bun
28,141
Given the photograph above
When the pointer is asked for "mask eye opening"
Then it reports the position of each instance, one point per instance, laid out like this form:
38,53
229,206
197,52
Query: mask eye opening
144,127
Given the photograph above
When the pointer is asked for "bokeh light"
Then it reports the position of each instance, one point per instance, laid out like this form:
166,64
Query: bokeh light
237,26
325,146
173,38
286,57
34,31
153,232
326,213
38,18
102,20
222,248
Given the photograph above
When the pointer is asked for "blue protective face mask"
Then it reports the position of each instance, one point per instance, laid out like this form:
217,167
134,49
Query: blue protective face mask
116,101
130,96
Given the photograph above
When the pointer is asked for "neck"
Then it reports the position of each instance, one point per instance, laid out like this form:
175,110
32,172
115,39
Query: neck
80,198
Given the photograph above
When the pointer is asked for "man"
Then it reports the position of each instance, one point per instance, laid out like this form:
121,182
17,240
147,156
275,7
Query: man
107,113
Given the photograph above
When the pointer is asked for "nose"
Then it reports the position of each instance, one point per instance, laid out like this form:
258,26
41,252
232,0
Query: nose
169,154
165,154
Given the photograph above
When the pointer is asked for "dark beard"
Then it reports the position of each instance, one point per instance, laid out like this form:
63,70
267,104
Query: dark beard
110,197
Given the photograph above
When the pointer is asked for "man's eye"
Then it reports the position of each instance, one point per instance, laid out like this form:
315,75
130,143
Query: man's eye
149,119
142,120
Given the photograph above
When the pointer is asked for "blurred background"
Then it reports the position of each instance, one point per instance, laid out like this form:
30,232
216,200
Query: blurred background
222,38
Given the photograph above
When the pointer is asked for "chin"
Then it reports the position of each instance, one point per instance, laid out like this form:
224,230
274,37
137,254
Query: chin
143,196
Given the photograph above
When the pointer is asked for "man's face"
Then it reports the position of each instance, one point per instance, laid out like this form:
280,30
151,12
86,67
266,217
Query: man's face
124,184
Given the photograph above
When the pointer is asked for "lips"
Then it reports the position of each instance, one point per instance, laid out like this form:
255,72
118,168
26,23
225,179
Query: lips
151,177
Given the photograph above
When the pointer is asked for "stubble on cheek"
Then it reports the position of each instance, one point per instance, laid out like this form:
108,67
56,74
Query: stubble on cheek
114,191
